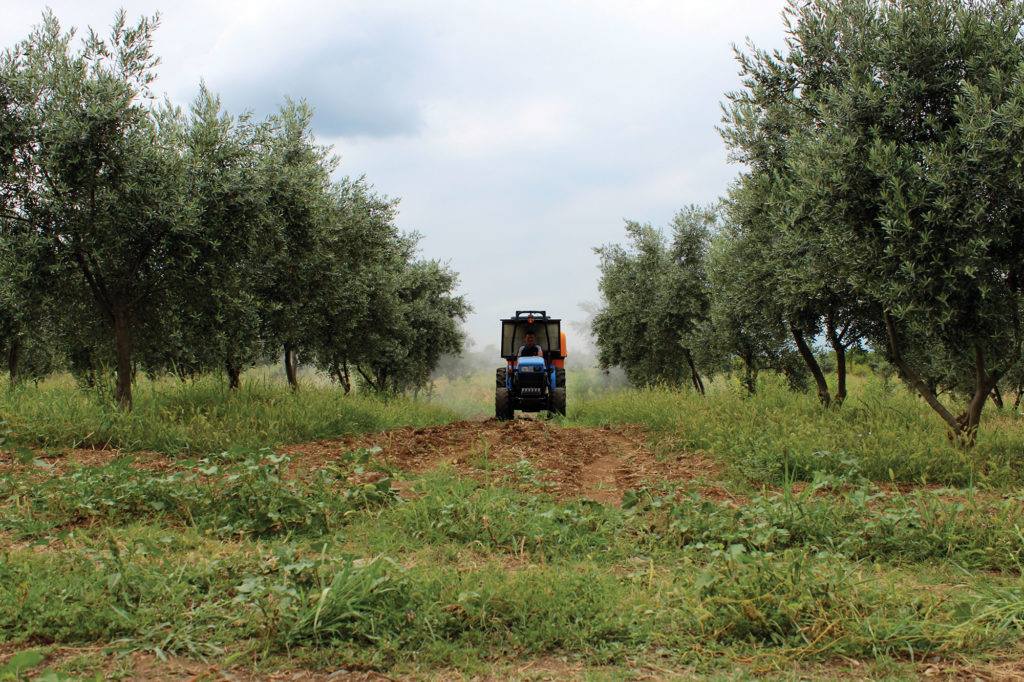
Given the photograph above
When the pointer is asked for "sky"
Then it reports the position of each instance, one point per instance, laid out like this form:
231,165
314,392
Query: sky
517,135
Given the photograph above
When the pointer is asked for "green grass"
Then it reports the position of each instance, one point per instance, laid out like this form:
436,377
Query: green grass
604,587
882,432
200,416
226,497
812,561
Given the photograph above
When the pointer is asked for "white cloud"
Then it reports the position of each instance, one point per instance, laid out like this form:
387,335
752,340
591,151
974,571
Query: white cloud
480,130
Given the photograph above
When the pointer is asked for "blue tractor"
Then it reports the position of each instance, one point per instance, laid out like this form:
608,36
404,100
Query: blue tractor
533,378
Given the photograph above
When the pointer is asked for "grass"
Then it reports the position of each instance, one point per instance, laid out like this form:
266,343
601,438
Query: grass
223,496
200,416
612,589
882,432
814,565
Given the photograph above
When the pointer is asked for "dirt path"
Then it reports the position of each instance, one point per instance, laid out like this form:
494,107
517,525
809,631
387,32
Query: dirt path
595,463
599,480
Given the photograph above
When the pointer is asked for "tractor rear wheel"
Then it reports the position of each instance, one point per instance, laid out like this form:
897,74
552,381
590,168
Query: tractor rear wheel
560,377
502,404
558,401
499,377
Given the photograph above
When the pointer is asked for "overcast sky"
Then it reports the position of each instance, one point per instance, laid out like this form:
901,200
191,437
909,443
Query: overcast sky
518,135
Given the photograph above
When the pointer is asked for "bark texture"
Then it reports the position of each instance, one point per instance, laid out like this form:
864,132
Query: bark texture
234,373
290,367
123,349
698,384
812,365
838,343
13,355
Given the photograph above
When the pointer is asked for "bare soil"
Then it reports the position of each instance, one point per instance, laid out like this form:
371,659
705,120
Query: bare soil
53,462
595,463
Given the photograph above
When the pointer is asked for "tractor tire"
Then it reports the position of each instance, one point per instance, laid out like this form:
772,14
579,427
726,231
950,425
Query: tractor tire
558,401
499,377
502,404
560,378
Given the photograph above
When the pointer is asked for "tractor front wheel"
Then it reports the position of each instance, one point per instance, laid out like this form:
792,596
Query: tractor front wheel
559,378
558,401
499,377
502,404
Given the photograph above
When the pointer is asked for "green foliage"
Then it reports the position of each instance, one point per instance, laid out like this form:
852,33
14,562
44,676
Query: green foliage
860,523
365,255
233,553
741,324
297,171
655,300
354,605
774,603
170,595
883,184
221,330
416,322
132,208
234,494
29,334
457,510
19,663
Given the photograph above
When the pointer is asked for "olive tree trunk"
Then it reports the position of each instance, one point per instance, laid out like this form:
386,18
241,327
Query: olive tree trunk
835,338
812,364
123,350
341,374
234,373
963,428
749,373
698,385
13,355
290,369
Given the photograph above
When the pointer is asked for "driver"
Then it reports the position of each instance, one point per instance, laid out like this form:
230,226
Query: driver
530,347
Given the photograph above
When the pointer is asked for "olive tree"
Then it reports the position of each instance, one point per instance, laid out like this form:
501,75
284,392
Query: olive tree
655,298
95,176
364,253
297,176
912,163
223,328
799,281
412,325
742,322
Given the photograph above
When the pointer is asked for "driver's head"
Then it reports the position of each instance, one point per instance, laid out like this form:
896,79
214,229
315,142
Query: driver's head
530,338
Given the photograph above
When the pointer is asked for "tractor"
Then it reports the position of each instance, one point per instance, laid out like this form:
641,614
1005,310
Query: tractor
535,383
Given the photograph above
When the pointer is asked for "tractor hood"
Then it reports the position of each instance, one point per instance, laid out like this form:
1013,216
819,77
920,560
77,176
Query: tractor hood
533,364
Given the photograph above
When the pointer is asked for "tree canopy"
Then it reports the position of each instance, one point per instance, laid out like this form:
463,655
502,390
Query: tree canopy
881,200
656,299
136,236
